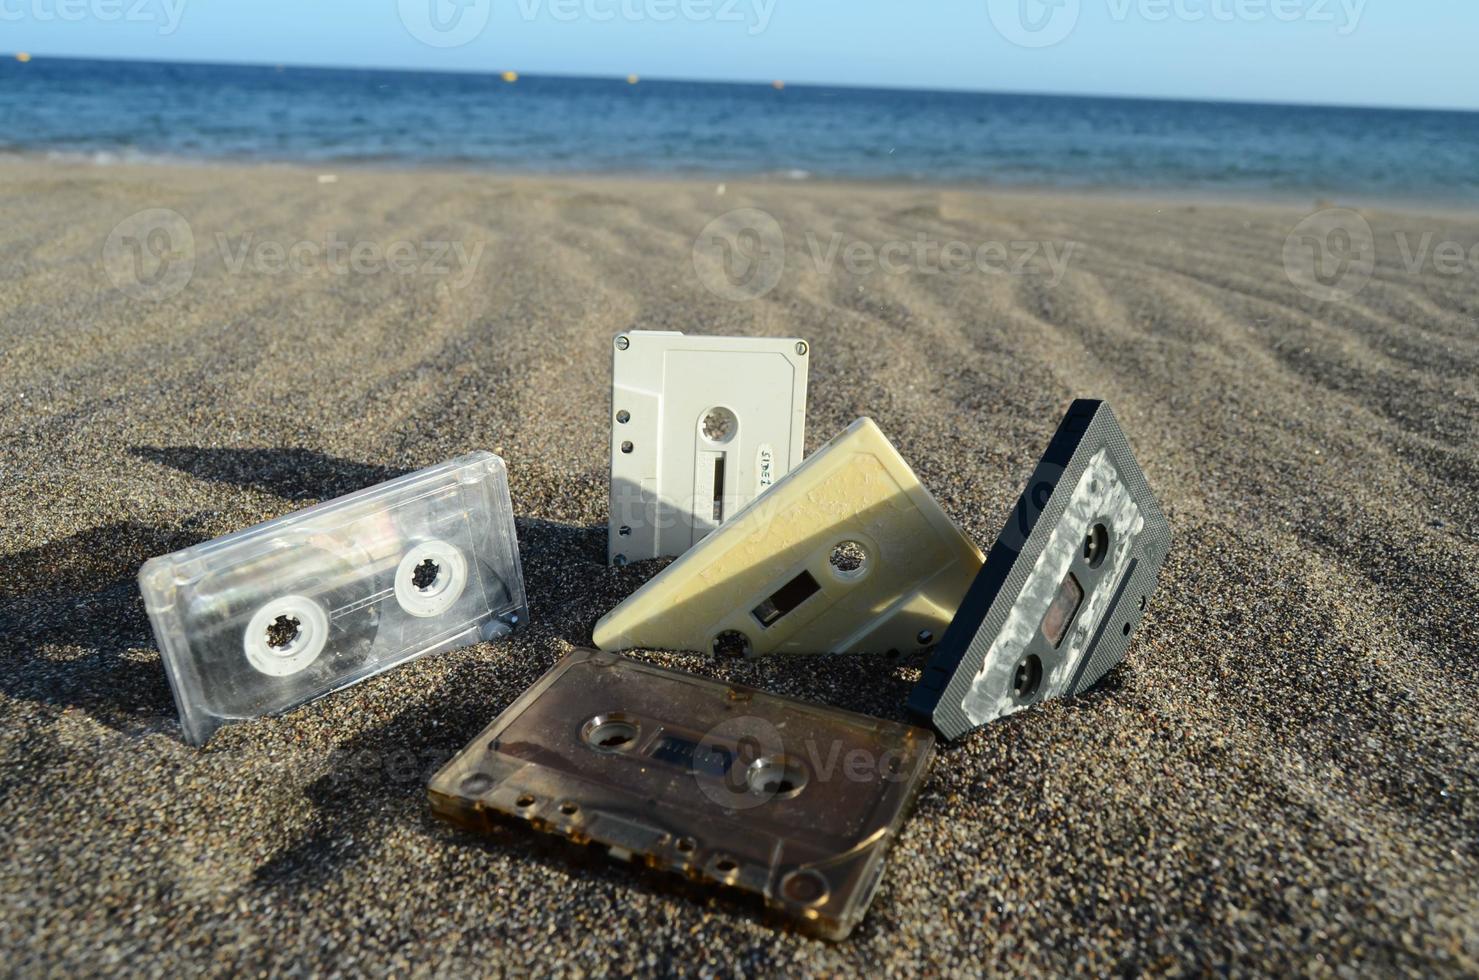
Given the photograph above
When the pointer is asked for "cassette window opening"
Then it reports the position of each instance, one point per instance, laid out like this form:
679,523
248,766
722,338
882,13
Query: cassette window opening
1062,610
718,488
785,599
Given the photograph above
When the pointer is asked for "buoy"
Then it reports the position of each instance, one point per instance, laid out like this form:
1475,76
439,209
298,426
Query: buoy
22,57
510,76
777,84
632,79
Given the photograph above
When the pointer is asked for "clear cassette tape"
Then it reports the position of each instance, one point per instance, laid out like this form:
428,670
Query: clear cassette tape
791,802
849,553
1063,588
267,618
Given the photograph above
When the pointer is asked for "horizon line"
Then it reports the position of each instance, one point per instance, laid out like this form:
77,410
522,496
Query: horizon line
495,72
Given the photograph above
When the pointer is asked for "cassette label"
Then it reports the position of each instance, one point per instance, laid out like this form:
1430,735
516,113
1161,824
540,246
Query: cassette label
700,427
848,553
268,618
791,802
1061,591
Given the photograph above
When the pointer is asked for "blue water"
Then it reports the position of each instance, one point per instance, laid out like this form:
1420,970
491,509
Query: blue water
111,110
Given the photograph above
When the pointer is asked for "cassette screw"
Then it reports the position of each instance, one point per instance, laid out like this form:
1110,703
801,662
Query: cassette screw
801,347
622,343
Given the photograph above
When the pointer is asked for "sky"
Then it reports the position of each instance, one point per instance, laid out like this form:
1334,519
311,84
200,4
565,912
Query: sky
1418,53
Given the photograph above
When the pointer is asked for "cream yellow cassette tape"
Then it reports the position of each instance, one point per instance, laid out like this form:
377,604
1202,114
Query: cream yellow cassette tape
849,553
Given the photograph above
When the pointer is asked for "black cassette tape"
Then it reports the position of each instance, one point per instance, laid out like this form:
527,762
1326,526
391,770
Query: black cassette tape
788,801
1054,607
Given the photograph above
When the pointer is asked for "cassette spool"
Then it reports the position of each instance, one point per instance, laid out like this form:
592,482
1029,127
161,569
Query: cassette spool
1062,589
267,618
719,782
700,426
849,553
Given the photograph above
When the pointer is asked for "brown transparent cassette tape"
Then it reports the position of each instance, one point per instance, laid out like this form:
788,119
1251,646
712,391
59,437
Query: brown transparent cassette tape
791,802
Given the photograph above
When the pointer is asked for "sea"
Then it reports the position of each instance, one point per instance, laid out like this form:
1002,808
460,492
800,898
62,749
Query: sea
132,111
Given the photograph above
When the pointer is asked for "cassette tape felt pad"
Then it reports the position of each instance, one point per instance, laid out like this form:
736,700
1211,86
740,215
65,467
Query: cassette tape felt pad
700,427
792,802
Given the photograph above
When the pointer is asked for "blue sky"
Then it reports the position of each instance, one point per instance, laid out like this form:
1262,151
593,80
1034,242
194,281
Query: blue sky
1363,52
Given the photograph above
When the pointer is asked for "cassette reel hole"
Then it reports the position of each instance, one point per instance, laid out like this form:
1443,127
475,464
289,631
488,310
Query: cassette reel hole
719,425
430,578
1028,676
610,733
775,777
849,560
283,632
286,636
732,643
524,802
424,576
1096,545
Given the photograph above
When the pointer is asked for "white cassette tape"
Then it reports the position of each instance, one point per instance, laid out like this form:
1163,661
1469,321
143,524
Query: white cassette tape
268,618
700,426
848,554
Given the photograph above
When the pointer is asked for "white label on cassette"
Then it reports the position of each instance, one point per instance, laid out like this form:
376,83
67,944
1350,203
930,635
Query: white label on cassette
849,553
764,467
700,427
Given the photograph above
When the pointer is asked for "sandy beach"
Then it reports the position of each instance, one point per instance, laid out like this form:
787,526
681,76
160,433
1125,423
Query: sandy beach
1283,776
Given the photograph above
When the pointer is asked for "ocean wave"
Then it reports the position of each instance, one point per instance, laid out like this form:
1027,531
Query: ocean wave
100,158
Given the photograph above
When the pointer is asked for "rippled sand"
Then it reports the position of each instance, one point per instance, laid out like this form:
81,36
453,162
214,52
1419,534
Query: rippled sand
1282,776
